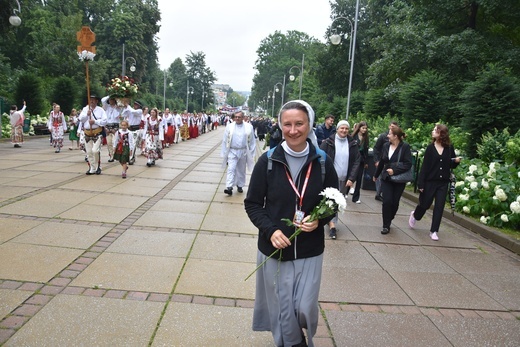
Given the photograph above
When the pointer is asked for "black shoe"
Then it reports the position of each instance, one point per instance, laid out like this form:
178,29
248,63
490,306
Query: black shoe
332,233
228,191
88,172
98,171
379,198
17,146
110,160
385,231
57,151
153,162
148,164
132,161
86,159
240,190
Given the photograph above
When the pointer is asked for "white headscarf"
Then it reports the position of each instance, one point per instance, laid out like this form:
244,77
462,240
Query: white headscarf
311,135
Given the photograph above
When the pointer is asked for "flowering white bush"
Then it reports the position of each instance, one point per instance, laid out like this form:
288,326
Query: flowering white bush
497,202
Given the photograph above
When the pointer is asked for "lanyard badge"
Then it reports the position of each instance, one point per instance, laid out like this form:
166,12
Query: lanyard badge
299,214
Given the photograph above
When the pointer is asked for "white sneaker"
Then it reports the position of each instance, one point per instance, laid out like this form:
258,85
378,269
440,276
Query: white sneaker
411,220
351,191
358,202
434,236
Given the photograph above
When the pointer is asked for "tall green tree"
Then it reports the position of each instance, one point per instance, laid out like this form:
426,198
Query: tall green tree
200,78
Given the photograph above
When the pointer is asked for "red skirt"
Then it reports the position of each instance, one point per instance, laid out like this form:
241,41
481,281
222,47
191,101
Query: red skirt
168,137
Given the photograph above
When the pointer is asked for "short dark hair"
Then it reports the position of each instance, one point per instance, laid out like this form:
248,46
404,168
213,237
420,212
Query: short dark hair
329,116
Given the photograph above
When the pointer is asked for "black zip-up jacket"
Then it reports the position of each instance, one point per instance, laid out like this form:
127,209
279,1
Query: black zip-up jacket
384,163
270,198
354,158
436,167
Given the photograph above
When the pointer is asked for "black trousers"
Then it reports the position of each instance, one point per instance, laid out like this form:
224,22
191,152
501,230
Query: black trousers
437,190
361,171
392,193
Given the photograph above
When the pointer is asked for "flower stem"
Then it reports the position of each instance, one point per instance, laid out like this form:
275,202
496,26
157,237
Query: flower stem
296,233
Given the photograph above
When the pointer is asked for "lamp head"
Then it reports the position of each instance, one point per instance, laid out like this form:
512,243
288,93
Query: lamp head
335,39
132,68
292,78
15,20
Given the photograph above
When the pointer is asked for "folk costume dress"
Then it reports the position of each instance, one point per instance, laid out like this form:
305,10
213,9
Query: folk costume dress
169,129
16,119
73,128
114,115
185,131
57,127
123,145
154,135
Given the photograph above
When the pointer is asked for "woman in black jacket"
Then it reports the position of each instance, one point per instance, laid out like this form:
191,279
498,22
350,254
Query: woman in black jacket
360,135
439,159
394,151
287,289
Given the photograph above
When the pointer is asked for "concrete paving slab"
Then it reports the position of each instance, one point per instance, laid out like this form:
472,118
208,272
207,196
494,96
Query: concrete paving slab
373,234
444,290
160,172
165,219
204,176
14,163
97,213
479,332
209,325
11,299
71,320
154,243
136,187
478,261
199,187
131,272
175,206
226,278
225,248
111,199
9,192
10,228
349,255
63,235
407,258
178,194
503,288
34,263
226,218
92,183
371,286
383,329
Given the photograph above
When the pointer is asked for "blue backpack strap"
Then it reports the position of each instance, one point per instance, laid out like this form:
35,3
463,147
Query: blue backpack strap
269,159
323,158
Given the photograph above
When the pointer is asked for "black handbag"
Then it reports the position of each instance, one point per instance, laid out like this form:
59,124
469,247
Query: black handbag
403,177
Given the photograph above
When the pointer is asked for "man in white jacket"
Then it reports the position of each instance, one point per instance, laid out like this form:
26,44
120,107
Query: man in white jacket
238,149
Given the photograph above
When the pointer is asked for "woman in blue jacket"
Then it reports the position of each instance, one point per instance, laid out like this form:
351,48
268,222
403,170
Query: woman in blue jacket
287,290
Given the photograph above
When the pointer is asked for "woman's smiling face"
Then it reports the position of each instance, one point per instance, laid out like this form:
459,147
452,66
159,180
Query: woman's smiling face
295,127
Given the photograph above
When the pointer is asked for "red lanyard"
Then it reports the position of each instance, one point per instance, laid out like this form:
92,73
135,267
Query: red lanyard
300,196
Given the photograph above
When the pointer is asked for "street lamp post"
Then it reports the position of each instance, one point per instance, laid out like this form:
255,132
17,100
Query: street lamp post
335,39
189,90
292,78
132,67
164,91
204,94
275,89
269,95
14,20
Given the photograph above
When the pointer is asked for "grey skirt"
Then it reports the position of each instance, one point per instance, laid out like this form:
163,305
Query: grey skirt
286,299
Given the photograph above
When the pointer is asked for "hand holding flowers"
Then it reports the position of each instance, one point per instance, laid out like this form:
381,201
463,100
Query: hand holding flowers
332,202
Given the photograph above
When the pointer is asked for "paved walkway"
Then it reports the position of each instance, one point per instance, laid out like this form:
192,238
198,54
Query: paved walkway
159,259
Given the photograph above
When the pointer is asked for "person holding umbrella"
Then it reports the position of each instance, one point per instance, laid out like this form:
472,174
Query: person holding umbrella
434,177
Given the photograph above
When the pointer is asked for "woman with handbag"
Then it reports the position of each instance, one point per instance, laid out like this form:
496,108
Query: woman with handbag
395,168
434,177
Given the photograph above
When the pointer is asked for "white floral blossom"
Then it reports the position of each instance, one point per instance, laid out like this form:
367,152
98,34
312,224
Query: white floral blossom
485,184
484,219
518,174
459,183
474,185
518,198
515,207
470,178
493,165
504,218
491,172
86,55
465,209
501,195
463,197
472,169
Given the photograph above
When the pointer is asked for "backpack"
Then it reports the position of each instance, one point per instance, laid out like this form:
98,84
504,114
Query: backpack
321,152
277,135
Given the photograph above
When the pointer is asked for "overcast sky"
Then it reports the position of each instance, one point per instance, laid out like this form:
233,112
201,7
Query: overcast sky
229,31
